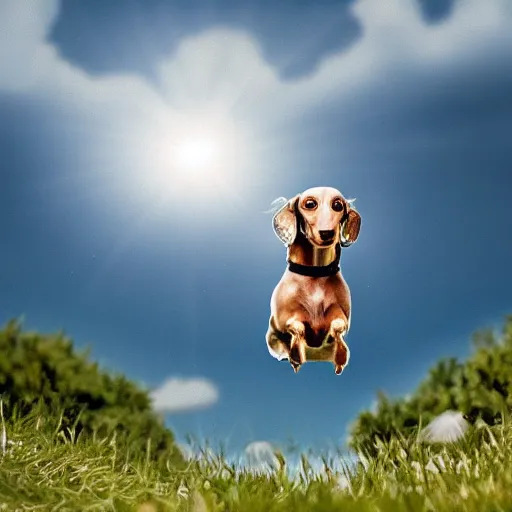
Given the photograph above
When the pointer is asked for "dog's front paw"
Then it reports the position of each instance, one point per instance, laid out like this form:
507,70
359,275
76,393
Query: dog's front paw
297,356
295,365
338,328
341,357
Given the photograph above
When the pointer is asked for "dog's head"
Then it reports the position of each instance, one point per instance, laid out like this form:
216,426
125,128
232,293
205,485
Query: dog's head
322,215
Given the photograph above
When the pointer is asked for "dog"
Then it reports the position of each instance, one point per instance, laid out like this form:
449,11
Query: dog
310,306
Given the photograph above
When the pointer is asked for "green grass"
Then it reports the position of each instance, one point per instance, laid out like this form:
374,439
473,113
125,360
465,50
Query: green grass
43,470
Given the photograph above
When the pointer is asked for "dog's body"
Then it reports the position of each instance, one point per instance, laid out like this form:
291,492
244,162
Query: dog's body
311,304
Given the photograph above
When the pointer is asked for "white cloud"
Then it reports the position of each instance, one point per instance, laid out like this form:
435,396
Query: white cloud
220,67
259,456
179,395
227,66
24,27
225,71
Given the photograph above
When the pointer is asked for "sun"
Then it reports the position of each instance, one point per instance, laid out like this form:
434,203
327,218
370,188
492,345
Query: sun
199,153
204,156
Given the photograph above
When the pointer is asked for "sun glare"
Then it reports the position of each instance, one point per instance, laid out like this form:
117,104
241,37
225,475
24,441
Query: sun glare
204,155
198,154
200,151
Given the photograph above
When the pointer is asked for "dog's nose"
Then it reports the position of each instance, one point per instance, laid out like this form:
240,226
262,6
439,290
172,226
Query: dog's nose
326,235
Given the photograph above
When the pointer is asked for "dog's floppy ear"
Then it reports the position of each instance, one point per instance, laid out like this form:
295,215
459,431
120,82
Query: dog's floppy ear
284,221
350,225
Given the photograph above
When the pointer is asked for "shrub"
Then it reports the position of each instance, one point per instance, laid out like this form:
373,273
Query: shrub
47,373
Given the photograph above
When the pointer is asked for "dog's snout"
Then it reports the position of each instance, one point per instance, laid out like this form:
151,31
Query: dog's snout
327,234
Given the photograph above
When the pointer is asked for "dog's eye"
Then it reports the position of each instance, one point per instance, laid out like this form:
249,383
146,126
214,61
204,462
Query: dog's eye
337,205
310,204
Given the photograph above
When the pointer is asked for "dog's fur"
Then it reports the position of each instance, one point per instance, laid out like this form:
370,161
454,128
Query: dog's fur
310,315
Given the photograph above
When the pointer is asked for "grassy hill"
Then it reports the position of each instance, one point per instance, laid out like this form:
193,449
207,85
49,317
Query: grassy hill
41,469
55,457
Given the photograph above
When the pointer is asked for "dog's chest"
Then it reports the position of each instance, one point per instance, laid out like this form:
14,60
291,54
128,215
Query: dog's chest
316,303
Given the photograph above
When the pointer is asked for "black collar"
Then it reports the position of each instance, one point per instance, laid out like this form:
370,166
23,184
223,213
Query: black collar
314,271
317,271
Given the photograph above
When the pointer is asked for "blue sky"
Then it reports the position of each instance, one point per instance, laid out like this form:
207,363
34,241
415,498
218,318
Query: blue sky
405,105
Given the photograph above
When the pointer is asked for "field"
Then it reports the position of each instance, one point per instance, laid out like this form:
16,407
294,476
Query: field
45,470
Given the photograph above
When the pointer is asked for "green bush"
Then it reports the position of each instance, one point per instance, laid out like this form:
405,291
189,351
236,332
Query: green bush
47,373
480,387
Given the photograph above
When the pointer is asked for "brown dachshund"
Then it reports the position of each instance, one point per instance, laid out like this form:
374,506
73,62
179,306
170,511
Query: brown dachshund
310,306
